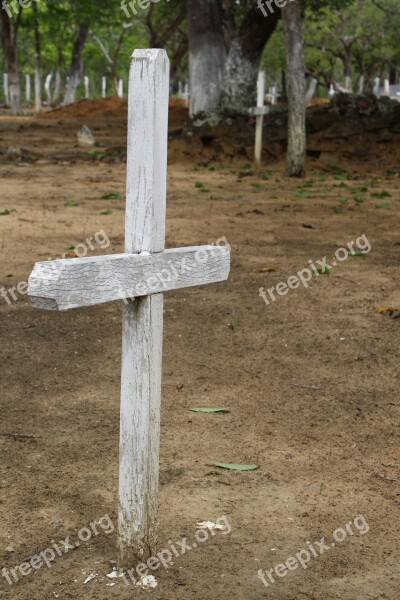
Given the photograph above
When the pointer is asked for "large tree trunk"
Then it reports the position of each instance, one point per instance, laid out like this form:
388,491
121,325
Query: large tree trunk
58,76
242,65
207,54
75,72
38,83
296,154
9,42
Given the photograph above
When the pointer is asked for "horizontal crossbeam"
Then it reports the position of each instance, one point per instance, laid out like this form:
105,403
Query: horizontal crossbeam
71,283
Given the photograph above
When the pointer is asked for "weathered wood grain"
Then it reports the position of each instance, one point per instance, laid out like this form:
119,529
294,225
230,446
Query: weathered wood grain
148,99
76,282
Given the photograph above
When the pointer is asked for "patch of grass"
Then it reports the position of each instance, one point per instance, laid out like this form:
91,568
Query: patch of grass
382,205
234,324
382,194
359,199
301,196
6,212
71,203
107,212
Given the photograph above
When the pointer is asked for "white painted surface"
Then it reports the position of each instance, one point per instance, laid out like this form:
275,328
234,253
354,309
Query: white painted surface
121,88
47,85
143,318
28,89
86,84
386,87
77,282
260,118
103,87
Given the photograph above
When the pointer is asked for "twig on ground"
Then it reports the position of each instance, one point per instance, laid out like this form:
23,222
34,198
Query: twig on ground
307,387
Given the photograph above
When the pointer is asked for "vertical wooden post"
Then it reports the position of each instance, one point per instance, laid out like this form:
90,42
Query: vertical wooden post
103,87
121,88
143,318
260,120
28,89
86,84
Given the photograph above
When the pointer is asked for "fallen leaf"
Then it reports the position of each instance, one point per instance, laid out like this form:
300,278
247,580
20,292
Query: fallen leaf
233,466
391,311
266,269
209,410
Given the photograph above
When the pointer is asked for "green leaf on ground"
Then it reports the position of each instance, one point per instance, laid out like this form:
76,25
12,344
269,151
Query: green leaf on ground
233,467
209,410
110,196
324,270
107,212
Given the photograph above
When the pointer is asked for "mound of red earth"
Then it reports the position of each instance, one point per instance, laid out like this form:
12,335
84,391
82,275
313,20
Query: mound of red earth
111,108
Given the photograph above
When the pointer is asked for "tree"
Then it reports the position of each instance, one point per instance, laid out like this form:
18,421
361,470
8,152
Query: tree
207,54
38,80
243,61
75,71
296,153
9,38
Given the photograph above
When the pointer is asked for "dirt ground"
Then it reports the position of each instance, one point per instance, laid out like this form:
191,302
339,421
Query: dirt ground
311,379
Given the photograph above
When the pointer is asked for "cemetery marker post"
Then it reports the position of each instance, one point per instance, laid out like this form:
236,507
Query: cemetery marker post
71,283
259,113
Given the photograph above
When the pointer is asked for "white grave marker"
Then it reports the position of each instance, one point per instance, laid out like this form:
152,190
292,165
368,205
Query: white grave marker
28,89
121,88
103,87
86,84
259,113
71,283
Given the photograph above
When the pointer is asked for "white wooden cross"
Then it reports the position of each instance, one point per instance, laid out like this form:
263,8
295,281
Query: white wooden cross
259,113
143,272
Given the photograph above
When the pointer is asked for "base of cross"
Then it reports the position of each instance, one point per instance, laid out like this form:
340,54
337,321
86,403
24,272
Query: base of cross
139,276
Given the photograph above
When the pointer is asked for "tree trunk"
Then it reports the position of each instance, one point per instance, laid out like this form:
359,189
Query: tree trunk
207,54
296,154
57,79
242,65
76,64
37,58
9,42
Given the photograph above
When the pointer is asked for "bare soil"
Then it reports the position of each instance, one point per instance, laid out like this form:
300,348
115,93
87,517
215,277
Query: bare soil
311,380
